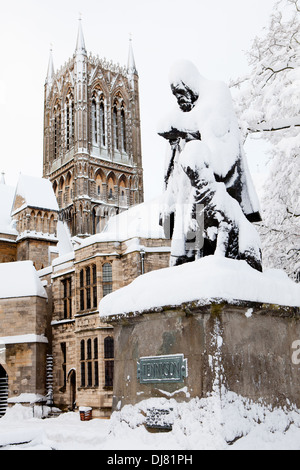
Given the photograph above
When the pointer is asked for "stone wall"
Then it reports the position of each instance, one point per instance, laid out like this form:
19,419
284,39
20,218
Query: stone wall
26,368
23,315
36,250
84,327
22,322
8,251
248,349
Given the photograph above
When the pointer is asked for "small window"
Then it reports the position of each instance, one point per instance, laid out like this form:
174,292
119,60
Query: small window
94,286
108,361
64,362
81,278
82,370
96,348
107,279
67,297
109,348
82,351
89,349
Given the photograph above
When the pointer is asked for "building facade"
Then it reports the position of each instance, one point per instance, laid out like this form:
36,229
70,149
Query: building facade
56,348
92,141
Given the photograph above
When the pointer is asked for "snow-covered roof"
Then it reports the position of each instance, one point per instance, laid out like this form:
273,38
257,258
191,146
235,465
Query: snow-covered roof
20,279
141,221
208,279
6,198
36,192
64,244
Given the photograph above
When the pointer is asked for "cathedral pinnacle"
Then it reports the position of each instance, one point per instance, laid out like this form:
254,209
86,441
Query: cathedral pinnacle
80,45
131,68
50,72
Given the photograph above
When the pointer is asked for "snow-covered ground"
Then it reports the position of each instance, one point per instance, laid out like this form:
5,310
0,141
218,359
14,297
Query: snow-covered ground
231,424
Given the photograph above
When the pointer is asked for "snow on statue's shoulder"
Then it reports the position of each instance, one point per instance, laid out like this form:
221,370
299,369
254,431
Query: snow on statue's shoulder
204,280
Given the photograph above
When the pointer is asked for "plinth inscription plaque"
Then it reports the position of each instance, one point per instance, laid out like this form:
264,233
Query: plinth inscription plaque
162,369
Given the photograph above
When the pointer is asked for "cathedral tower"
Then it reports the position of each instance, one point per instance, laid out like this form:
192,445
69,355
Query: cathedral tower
92,141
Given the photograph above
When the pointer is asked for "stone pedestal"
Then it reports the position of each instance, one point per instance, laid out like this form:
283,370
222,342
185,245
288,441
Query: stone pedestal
186,351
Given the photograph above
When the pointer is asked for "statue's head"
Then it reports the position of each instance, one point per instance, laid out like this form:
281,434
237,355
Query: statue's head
185,84
186,98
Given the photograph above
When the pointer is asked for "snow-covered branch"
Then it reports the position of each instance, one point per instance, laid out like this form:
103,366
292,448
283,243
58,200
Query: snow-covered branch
267,102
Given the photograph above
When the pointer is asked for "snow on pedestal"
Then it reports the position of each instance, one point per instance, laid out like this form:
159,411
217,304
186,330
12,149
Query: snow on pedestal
204,281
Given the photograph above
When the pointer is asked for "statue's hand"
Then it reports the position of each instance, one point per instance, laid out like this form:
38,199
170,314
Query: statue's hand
174,134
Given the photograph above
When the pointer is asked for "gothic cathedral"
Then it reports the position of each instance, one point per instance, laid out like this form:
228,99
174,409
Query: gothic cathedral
92,141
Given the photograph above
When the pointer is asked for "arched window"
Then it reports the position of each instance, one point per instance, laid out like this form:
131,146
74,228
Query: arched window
69,121
32,221
99,183
115,126
68,188
61,192
102,121
39,222
122,192
51,224
94,122
107,279
57,131
123,127
111,182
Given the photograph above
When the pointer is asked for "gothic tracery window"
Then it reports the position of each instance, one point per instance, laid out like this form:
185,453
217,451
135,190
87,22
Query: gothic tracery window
98,121
115,126
94,122
123,127
69,121
57,131
102,121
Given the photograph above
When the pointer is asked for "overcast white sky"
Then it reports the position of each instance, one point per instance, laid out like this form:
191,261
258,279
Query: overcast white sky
214,34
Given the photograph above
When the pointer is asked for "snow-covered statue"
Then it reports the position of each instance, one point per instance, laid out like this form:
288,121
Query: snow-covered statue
209,200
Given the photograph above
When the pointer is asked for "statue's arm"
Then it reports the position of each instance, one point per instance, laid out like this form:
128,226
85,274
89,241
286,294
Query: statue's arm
174,134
